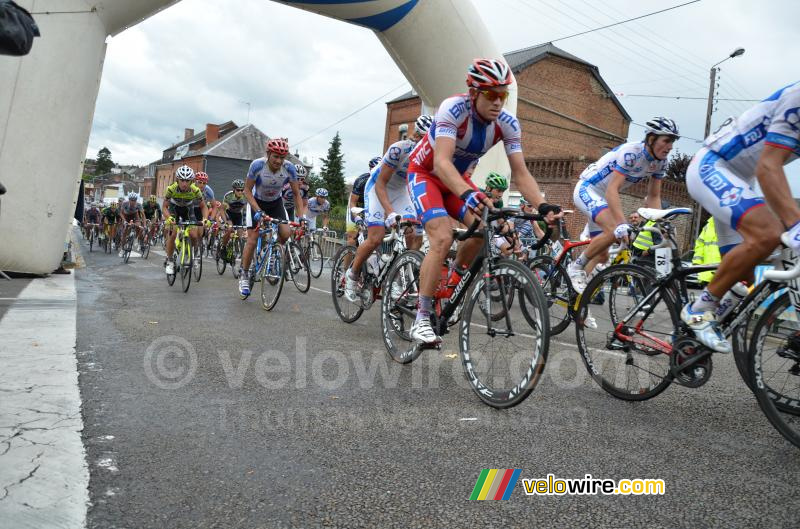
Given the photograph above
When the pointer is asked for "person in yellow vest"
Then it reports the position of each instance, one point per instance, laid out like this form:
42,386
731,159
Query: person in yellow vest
706,251
643,244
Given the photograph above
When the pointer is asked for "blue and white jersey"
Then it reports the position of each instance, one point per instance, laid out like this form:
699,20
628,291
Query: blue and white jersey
631,159
396,157
474,137
269,185
315,208
208,193
774,121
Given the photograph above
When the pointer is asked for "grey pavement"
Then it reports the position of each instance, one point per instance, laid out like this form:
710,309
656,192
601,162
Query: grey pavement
202,410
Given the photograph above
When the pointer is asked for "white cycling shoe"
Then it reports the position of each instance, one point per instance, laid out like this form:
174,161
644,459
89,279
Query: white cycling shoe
170,268
422,332
244,284
578,278
350,287
704,327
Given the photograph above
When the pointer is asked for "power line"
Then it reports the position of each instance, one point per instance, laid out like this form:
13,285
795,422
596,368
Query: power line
351,114
682,135
622,22
689,97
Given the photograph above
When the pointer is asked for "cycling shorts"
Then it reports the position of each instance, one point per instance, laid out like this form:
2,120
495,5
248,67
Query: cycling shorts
236,218
182,213
590,202
401,204
728,196
433,199
272,209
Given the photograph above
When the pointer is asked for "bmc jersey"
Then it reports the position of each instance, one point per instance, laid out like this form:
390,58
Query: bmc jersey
458,120
268,184
288,194
397,157
128,209
316,209
774,121
630,159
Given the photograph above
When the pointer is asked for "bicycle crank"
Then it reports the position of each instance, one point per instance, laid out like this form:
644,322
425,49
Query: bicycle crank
690,363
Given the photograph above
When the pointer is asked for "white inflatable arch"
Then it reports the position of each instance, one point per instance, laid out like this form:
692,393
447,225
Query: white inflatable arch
47,98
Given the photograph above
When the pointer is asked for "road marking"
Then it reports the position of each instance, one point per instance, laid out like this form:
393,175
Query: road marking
43,471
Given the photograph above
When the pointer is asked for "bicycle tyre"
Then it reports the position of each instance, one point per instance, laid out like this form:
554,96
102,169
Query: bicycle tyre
398,313
301,277
340,265
315,260
272,276
91,240
782,409
221,262
197,267
635,357
516,276
557,290
186,265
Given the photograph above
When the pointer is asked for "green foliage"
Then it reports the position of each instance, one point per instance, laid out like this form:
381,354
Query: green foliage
678,164
104,162
332,172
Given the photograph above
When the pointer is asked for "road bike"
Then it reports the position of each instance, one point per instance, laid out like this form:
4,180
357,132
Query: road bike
186,254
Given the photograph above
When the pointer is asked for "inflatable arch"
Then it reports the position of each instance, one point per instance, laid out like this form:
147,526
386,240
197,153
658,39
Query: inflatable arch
48,97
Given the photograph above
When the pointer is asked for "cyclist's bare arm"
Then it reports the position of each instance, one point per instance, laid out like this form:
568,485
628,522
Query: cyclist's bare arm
445,170
653,198
773,182
248,193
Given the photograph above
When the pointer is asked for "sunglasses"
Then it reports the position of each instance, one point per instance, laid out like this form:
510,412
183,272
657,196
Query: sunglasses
491,95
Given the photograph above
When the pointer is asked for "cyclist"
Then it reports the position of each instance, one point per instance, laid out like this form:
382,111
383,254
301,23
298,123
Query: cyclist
722,177
263,191
152,213
201,181
319,206
182,201
110,216
288,194
597,193
92,216
357,201
387,191
233,205
132,211
466,126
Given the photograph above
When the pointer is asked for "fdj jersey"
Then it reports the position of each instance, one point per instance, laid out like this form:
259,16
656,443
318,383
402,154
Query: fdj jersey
288,194
269,184
397,157
630,159
457,119
316,208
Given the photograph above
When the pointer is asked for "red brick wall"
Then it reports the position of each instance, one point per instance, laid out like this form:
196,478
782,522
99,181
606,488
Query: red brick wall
402,112
165,173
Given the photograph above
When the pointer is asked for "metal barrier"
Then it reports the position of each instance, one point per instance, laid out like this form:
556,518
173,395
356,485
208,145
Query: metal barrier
330,242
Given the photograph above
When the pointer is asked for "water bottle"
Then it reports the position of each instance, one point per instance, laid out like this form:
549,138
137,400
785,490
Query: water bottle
731,298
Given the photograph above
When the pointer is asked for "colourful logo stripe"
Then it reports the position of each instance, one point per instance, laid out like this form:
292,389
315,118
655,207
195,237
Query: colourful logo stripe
479,484
487,484
498,480
498,494
512,482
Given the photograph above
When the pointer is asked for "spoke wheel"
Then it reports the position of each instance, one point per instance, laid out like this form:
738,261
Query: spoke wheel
557,291
630,362
399,307
314,259
272,277
347,310
504,359
297,266
186,265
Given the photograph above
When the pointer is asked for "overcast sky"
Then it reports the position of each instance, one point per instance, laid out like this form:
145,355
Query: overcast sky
199,61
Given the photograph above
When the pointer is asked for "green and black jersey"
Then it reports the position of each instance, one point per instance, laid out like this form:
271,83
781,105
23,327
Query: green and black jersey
183,199
151,210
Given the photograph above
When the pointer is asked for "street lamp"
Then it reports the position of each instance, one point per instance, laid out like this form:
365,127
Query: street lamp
734,53
709,109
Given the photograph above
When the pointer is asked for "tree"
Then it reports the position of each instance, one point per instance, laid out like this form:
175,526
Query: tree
332,171
104,162
678,164
314,181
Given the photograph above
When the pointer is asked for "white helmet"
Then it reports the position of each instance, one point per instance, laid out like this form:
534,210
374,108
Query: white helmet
184,172
133,196
661,126
300,169
422,124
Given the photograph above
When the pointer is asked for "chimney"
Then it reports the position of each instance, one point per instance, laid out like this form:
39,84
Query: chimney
187,133
212,133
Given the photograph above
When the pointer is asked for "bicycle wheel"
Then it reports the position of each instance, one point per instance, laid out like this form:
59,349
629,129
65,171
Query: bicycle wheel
91,239
774,361
557,291
399,307
631,362
272,276
314,259
186,264
128,247
219,256
236,262
347,310
504,360
298,268
197,263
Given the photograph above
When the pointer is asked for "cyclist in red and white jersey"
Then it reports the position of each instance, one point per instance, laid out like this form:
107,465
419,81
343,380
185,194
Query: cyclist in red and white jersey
465,127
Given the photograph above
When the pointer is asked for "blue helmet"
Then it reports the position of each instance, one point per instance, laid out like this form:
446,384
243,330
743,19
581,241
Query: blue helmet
375,161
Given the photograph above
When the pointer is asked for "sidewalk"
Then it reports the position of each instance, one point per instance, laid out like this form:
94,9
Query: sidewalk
43,471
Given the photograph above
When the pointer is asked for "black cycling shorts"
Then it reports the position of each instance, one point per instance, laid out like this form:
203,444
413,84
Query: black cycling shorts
183,214
272,209
236,218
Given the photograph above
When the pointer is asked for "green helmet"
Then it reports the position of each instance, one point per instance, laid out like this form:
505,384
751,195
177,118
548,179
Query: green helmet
496,181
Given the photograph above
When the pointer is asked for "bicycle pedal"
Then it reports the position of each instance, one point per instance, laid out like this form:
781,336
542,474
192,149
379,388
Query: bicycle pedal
430,346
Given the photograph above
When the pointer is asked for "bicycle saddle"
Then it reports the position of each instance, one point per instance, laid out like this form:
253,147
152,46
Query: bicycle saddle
658,214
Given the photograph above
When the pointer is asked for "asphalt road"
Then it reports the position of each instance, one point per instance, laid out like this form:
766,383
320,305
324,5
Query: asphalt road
201,410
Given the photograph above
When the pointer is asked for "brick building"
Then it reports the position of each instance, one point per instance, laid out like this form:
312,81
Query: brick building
570,118
224,151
